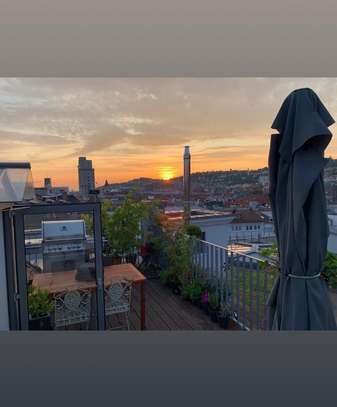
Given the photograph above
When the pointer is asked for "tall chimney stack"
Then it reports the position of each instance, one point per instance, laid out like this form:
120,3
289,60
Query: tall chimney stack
187,185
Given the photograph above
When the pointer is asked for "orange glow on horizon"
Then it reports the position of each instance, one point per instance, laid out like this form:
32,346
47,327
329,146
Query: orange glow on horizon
63,172
166,173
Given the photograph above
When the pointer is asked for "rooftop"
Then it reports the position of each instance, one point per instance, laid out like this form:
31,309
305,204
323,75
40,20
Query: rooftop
177,214
250,216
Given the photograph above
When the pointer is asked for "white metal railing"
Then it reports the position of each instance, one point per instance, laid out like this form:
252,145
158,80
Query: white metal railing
242,281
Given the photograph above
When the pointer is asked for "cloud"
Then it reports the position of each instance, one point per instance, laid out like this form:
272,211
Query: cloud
145,121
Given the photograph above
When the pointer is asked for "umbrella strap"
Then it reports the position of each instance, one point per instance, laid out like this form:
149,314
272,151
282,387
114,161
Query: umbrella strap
304,277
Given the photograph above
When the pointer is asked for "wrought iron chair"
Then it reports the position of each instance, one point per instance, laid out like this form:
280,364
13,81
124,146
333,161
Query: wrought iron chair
72,308
118,303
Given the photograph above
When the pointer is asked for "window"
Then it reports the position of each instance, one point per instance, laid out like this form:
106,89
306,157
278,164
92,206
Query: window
203,236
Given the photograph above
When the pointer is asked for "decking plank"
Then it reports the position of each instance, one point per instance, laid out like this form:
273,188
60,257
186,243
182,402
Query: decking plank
198,318
166,311
176,308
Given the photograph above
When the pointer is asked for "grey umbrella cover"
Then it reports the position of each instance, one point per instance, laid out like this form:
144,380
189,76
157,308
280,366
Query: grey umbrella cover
297,196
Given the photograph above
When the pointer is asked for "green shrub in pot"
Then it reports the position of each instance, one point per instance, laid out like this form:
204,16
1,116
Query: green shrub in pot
40,307
192,291
329,272
224,315
214,303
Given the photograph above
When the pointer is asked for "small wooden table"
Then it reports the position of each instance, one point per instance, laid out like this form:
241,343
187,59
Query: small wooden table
65,280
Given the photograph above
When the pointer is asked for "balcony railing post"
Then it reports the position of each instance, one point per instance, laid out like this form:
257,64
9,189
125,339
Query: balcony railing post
227,270
211,249
243,290
221,271
258,296
265,294
238,273
251,290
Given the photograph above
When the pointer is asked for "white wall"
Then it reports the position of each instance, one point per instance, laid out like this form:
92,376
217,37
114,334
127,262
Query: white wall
4,323
332,243
258,230
217,230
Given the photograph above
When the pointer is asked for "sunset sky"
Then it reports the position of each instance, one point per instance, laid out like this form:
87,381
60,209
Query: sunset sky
137,127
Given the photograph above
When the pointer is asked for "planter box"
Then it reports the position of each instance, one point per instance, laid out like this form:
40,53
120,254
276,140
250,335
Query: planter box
108,260
40,323
116,260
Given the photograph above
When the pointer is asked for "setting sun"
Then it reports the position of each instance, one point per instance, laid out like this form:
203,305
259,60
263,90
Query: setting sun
166,173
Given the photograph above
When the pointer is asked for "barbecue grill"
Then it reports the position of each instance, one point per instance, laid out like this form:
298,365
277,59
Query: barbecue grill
64,245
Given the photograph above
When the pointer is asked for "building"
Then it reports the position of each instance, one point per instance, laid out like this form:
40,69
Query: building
226,228
86,176
215,226
48,193
48,185
249,225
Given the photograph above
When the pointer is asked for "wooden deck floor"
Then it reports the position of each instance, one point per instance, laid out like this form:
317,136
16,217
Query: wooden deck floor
165,311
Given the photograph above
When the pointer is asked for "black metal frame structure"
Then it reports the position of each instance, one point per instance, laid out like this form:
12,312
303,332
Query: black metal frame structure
15,257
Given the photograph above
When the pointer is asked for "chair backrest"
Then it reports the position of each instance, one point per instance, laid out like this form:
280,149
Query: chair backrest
72,305
118,291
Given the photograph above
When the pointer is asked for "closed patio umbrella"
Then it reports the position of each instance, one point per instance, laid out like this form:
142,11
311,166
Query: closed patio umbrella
299,299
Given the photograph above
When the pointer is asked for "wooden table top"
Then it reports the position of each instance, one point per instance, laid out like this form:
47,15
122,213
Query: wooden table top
65,280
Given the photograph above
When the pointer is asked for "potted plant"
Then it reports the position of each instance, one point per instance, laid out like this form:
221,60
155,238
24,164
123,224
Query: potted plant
107,256
192,230
174,283
196,291
224,316
213,306
164,276
205,301
329,272
178,255
39,307
152,257
192,291
122,230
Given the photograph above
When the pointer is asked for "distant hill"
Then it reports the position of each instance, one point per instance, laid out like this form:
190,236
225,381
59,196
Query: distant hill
210,178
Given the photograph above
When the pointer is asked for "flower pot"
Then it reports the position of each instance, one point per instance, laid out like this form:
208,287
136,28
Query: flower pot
194,301
108,260
131,258
214,315
204,307
173,286
116,260
224,321
177,290
42,323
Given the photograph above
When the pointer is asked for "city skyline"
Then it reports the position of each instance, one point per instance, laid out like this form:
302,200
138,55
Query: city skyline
137,127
